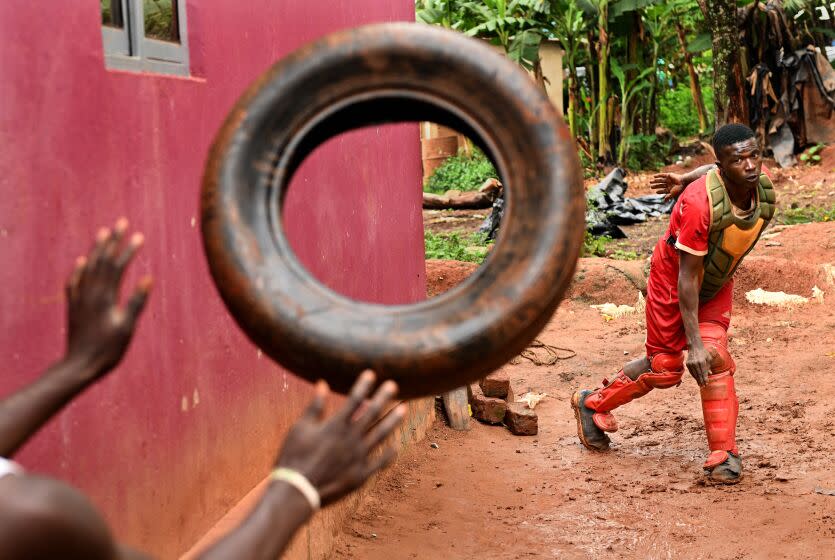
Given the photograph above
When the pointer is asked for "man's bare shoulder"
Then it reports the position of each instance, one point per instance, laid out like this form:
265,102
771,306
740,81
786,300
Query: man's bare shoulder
44,518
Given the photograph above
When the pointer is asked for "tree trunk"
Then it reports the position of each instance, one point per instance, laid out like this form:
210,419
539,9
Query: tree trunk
603,151
538,75
594,116
635,42
695,88
652,120
729,92
572,103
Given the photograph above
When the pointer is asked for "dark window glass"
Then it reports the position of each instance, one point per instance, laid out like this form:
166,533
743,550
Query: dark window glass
161,20
111,13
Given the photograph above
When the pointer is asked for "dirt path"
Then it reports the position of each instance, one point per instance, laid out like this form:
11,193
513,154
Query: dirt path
486,494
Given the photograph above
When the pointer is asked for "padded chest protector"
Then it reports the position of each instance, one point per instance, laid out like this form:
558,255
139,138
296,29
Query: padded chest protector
731,237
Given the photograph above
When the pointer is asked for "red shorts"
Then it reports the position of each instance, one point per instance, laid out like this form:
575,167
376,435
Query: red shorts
665,328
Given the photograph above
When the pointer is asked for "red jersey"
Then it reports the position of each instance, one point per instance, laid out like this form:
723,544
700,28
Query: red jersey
688,231
689,227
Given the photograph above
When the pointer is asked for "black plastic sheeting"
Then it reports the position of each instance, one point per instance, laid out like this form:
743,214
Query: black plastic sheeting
491,223
608,208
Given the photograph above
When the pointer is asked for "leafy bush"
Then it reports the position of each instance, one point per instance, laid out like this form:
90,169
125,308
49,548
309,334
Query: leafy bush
677,111
595,246
461,172
452,246
159,15
646,152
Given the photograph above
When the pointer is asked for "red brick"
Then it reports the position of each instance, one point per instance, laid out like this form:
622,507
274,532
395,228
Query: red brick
495,385
521,420
487,409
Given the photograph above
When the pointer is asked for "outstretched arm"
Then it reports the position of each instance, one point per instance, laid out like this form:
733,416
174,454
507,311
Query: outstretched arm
333,457
673,184
99,331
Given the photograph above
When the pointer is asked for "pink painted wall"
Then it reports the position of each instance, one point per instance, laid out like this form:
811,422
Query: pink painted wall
192,419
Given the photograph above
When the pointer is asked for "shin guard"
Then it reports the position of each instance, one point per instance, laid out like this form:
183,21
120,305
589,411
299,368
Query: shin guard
665,372
719,402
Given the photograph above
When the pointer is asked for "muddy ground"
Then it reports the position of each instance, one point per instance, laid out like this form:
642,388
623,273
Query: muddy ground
486,494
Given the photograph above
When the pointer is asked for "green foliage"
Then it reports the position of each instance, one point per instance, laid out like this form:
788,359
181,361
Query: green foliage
700,43
106,16
602,247
678,111
595,246
812,155
518,26
620,7
806,215
622,255
462,173
452,246
646,152
589,169
446,13
159,18
627,91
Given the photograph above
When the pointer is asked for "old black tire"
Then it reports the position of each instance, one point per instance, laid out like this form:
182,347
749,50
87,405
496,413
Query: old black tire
375,74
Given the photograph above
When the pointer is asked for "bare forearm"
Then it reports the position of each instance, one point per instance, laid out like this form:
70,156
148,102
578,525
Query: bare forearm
23,413
688,178
267,531
688,302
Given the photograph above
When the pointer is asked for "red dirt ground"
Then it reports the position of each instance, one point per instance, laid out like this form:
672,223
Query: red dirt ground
486,494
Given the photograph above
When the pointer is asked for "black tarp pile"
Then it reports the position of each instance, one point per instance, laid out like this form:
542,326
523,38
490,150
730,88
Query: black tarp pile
491,223
607,208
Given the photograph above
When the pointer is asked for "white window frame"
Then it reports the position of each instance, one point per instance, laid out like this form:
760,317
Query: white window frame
128,48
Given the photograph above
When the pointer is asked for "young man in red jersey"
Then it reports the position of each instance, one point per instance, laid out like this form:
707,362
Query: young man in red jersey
716,221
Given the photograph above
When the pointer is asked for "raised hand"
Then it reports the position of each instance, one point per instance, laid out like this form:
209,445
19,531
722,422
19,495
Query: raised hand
99,327
669,184
337,454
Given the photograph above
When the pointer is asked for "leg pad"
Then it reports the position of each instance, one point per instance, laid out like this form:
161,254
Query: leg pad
666,371
719,403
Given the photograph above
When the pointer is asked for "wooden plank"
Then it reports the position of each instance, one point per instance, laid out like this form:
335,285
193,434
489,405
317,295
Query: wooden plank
455,405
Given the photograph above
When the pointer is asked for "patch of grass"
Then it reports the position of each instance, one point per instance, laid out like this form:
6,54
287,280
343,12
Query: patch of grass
471,247
806,215
602,247
621,255
461,172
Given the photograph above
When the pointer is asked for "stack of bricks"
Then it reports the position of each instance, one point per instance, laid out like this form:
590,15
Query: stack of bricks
492,402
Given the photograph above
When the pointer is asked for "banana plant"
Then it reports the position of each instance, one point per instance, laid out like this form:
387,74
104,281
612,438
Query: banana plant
628,89
446,13
516,25
569,27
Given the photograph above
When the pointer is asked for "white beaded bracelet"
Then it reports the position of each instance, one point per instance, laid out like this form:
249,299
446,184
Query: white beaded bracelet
300,483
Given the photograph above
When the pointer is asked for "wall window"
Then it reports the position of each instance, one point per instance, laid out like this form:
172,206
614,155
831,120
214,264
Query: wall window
145,35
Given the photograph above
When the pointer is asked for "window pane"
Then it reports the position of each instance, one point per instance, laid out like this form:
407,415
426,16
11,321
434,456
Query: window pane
111,13
161,20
